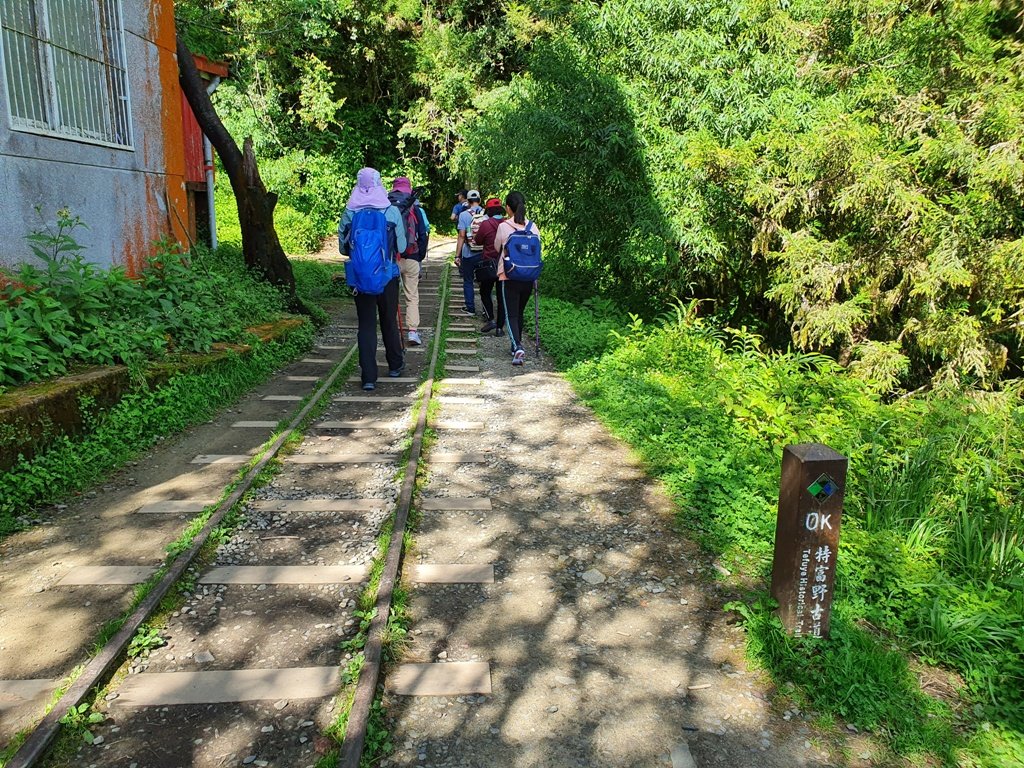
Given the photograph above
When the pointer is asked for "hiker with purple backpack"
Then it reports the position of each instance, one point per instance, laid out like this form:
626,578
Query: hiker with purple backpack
417,230
517,241
372,234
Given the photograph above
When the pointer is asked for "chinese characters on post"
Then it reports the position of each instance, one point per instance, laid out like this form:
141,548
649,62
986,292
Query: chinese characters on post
807,537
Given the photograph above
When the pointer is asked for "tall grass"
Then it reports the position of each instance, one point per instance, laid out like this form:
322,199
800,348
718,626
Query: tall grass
930,554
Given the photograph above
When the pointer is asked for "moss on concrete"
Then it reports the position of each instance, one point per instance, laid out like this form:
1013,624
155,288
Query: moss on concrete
34,415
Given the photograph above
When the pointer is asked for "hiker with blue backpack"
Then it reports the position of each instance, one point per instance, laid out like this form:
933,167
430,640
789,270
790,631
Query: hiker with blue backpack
517,241
417,231
372,234
460,204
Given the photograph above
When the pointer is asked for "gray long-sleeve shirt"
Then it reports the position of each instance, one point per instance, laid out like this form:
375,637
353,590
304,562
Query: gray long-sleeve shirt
391,213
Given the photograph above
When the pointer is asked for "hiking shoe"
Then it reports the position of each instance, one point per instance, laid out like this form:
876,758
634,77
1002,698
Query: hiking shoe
394,374
467,312
519,357
369,386
489,327
499,333
414,338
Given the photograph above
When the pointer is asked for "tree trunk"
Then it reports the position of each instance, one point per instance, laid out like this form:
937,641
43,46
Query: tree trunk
260,246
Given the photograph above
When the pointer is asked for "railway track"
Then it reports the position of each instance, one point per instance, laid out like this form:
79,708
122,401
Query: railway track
247,667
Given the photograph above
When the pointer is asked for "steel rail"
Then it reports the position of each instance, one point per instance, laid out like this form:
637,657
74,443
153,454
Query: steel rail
106,660
369,675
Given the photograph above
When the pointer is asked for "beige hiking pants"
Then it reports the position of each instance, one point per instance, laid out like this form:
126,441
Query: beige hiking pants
410,269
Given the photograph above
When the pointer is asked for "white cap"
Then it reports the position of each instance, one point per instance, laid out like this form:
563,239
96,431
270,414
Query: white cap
473,195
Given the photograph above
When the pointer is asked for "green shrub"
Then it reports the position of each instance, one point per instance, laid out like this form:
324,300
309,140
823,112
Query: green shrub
296,231
228,228
571,333
930,551
317,279
64,310
842,176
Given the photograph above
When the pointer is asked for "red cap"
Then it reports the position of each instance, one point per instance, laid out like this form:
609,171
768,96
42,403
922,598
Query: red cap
492,202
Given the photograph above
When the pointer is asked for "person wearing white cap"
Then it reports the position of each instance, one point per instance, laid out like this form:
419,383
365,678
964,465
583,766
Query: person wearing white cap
466,258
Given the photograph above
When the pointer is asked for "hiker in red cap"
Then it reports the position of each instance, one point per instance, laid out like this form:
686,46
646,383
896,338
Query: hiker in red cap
487,269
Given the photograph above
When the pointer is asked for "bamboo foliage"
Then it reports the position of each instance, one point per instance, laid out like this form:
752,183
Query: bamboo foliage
848,174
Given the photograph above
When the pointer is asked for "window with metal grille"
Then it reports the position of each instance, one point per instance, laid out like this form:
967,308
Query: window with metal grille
64,66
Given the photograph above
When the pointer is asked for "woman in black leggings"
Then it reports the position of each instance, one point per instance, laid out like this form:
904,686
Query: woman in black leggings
516,292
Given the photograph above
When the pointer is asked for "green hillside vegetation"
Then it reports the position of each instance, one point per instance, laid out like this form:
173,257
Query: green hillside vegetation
833,192
930,547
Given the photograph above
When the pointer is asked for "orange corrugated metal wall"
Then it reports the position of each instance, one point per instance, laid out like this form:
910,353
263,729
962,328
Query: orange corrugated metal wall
193,144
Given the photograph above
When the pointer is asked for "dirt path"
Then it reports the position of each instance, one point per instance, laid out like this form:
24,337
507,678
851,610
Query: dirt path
603,628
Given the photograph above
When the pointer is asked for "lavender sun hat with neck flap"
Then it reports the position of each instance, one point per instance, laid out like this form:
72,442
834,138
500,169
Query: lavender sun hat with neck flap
369,191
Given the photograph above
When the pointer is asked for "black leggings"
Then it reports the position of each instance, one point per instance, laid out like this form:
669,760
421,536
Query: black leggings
485,299
517,294
385,308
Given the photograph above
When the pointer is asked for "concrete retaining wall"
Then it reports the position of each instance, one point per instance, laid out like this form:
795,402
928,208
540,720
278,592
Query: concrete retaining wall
33,416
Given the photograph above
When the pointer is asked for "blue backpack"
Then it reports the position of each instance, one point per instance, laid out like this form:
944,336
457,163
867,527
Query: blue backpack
522,255
369,267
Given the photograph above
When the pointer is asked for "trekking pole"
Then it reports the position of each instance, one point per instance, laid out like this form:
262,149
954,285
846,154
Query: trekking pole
401,331
536,316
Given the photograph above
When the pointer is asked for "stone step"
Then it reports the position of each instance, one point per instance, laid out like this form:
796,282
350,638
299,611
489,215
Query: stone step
254,424
15,694
174,506
373,399
285,574
320,505
448,679
96,575
156,689
454,424
363,424
341,458
439,573
454,504
284,398
222,458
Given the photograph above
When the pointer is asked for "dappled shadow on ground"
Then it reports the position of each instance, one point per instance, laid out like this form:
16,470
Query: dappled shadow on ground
604,630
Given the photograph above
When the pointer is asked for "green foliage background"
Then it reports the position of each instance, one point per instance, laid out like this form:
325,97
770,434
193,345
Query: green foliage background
843,177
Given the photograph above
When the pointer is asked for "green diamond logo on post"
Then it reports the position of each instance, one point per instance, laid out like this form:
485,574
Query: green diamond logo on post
822,488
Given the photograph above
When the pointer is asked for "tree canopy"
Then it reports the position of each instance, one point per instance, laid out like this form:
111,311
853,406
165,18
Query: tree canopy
843,177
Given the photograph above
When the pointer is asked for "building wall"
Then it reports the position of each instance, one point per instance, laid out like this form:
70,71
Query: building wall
127,198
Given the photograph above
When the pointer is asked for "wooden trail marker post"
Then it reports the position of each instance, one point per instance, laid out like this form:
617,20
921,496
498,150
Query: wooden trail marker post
811,496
